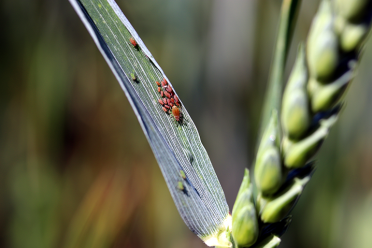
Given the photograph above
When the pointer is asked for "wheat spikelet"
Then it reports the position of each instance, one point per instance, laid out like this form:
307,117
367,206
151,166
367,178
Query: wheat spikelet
311,102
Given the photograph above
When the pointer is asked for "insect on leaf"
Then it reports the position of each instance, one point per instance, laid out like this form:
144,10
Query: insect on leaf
174,139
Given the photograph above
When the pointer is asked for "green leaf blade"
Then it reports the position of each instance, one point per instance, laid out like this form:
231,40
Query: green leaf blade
177,147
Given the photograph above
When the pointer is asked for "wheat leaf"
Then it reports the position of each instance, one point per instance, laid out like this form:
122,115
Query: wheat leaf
182,158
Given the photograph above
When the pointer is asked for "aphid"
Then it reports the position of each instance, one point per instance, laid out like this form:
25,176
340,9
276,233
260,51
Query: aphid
169,102
169,89
133,76
172,100
191,157
176,98
167,94
157,83
176,113
164,82
159,89
133,41
182,174
165,110
178,104
166,106
180,186
165,101
161,101
162,94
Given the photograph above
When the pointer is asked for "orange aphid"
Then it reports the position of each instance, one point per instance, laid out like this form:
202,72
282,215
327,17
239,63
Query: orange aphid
161,101
159,89
167,106
133,41
165,101
172,100
162,93
176,113
169,89
167,94
164,82
165,110
157,83
176,98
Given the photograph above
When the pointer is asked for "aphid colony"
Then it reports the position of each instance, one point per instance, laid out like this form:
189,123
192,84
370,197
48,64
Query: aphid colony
169,100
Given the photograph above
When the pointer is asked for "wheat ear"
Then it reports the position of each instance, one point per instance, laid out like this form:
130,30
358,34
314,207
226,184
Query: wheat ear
310,106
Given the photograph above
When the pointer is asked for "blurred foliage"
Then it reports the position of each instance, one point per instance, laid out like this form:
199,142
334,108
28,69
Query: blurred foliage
75,167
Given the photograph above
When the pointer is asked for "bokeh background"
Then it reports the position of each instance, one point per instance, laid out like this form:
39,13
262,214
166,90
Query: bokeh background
75,167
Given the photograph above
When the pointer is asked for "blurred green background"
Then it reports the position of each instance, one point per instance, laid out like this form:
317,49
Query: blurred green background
75,167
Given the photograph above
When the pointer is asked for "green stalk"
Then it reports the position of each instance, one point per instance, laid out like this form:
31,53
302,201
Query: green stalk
272,100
